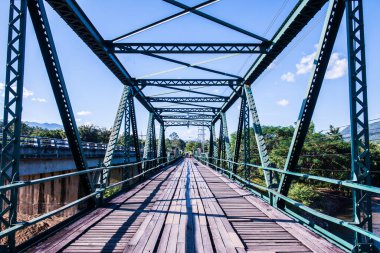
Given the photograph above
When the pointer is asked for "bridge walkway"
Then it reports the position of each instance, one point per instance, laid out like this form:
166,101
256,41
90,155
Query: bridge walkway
186,208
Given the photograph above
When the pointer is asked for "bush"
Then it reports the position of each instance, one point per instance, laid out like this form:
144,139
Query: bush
303,193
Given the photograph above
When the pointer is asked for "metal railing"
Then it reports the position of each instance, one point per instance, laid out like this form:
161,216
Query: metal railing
158,163
274,193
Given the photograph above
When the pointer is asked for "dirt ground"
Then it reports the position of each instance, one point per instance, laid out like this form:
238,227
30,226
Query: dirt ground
35,229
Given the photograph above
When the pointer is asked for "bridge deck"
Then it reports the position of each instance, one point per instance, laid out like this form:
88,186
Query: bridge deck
186,208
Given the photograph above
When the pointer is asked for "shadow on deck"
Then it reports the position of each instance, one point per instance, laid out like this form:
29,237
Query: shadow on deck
186,208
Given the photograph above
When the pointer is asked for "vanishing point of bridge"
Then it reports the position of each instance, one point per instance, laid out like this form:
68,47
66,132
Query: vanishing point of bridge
208,203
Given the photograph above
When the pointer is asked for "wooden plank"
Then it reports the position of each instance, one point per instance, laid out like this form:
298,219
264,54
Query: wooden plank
287,235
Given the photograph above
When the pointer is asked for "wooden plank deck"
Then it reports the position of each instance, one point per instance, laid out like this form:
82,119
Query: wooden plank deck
186,208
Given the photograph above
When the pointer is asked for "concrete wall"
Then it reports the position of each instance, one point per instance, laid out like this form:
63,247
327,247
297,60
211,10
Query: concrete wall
48,196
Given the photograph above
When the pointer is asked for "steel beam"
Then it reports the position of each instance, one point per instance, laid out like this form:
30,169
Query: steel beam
191,91
299,17
216,20
187,82
186,110
189,48
13,92
164,20
360,154
50,57
187,123
325,47
187,99
73,15
187,117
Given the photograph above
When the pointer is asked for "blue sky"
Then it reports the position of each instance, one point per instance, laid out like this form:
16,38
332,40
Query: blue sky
95,92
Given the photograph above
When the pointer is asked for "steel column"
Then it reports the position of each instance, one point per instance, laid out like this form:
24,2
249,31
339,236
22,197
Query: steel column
247,142
14,83
239,133
220,144
149,148
226,140
127,130
260,141
112,143
161,147
135,133
49,54
328,36
360,155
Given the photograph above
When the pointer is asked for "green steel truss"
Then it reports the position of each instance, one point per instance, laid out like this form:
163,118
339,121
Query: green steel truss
360,156
325,47
189,48
14,82
187,82
203,110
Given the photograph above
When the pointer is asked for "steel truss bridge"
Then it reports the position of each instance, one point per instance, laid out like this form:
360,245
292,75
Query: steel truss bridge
210,213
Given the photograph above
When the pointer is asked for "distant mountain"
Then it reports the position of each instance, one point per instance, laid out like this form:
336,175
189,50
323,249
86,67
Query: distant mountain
374,131
49,126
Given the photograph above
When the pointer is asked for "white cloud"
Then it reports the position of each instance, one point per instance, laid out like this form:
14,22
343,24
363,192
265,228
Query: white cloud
305,64
337,67
40,100
283,102
84,113
27,93
289,77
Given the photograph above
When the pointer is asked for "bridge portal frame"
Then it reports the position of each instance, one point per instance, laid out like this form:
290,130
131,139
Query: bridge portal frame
302,13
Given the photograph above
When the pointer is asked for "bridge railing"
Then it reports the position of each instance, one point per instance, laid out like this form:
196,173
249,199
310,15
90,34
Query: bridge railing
158,163
258,190
40,147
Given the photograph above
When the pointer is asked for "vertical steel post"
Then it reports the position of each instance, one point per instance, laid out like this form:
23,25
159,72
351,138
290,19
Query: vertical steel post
211,145
161,147
149,148
239,133
330,30
127,130
247,142
127,136
14,83
220,145
260,141
215,146
226,140
112,143
135,133
360,155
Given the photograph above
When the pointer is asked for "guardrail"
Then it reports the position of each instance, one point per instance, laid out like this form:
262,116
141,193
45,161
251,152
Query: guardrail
273,192
149,165
45,147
